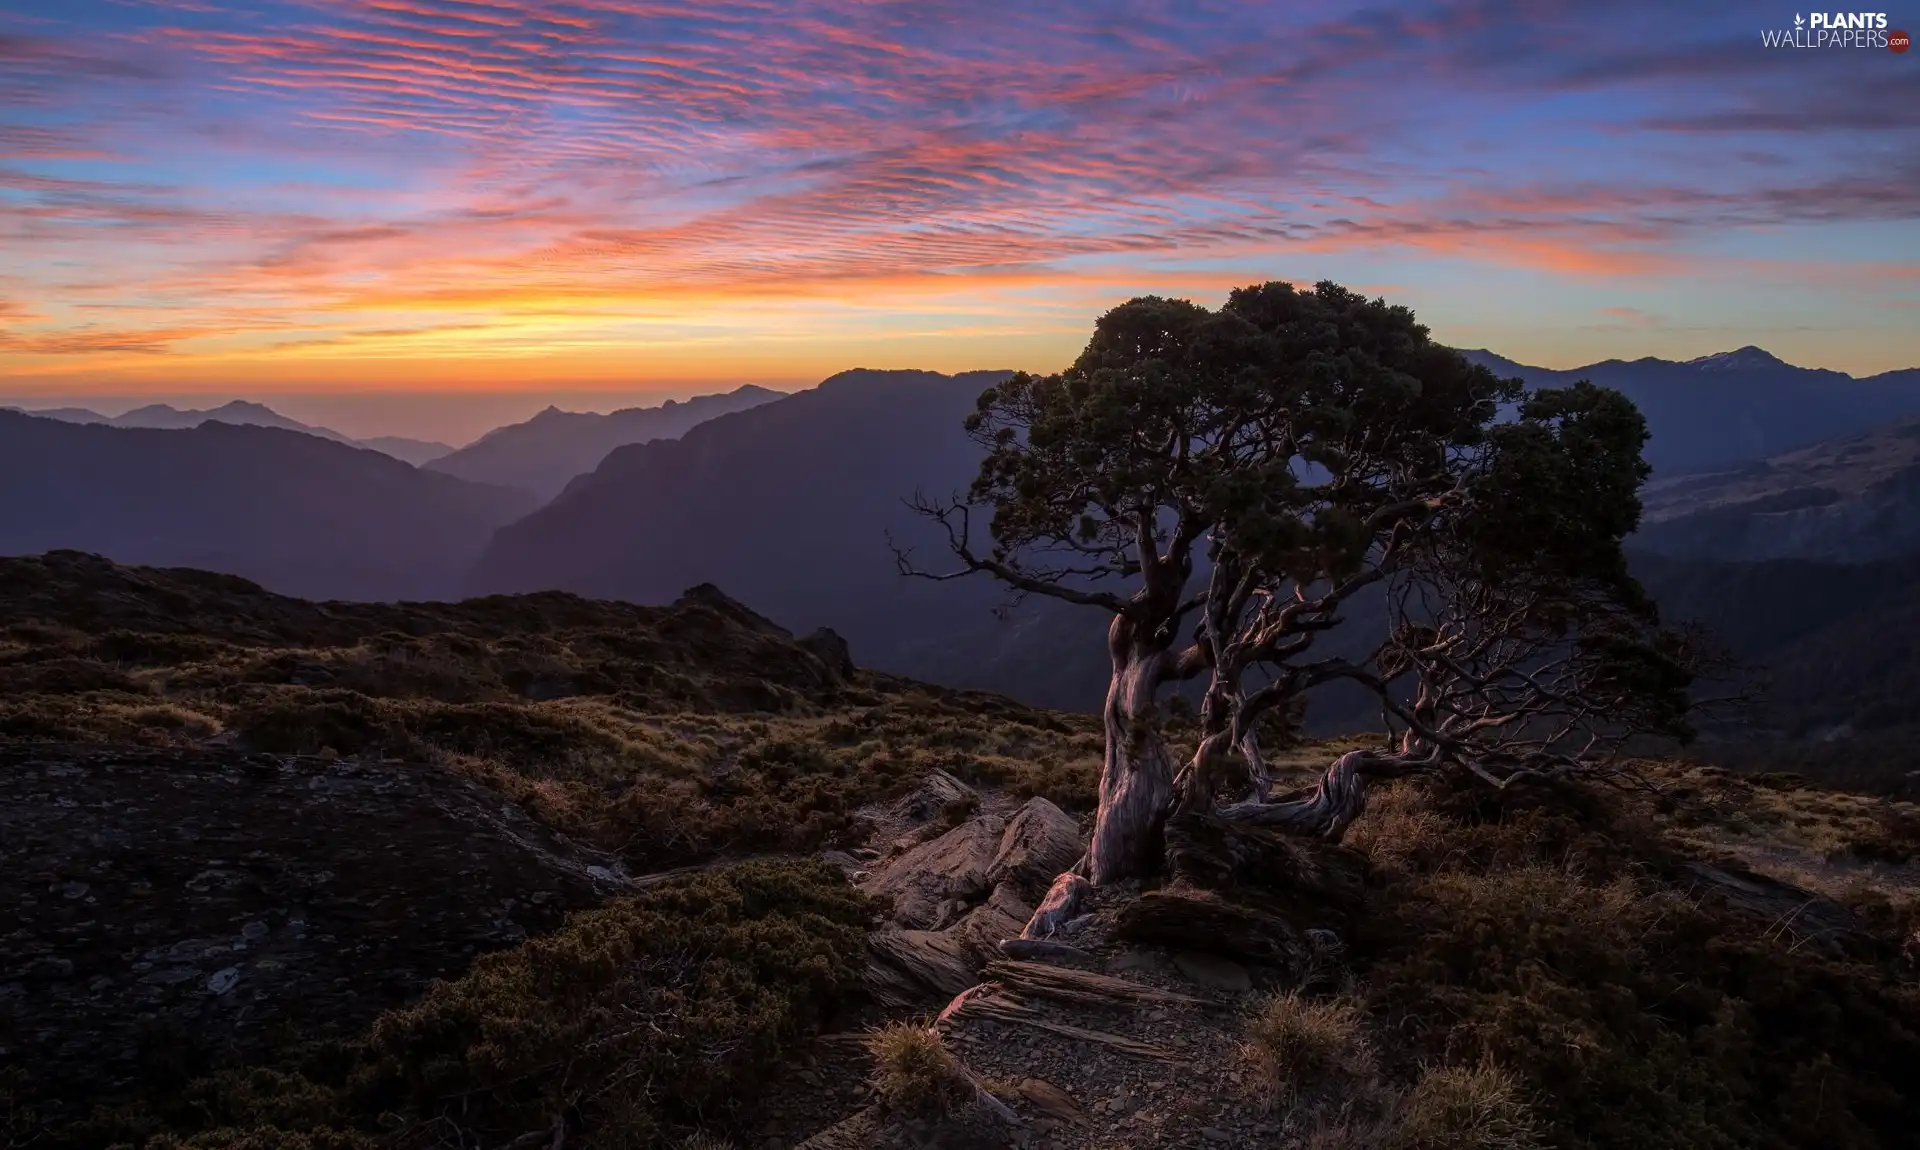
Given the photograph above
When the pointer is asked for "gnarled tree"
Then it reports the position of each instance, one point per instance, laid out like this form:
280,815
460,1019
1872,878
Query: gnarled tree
1232,486
1513,642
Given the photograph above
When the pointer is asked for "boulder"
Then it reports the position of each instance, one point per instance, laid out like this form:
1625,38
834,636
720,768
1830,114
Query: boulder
1040,841
1801,915
1002,916
827,646
940,792
953,866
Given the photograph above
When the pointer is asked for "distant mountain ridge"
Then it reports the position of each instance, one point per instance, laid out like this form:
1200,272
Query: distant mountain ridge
241,412
789,505
545,453
292,511
1736,405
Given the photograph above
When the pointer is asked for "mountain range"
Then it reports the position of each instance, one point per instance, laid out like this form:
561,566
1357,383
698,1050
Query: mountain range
1770,481
161,416
790,506
1737,405
305,515
545,453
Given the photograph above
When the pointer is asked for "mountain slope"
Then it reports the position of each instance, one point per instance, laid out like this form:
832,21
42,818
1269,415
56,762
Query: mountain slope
1850,500
418,452
789,506
1737,405
297,513
544,453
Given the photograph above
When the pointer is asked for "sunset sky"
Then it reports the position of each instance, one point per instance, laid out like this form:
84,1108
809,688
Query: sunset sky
331,195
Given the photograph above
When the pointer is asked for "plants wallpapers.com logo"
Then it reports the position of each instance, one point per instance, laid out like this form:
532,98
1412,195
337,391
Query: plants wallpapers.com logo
1838,30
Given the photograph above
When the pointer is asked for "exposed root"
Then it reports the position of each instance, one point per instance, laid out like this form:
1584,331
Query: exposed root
1061,905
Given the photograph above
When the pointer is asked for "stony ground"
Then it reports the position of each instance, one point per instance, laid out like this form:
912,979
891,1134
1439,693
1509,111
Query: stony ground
1101,1042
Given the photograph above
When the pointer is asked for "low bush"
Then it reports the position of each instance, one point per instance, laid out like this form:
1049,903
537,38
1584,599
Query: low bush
632,1025
1551,939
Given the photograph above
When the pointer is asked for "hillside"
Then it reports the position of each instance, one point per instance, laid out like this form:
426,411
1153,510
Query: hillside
1738,405
222,783
545,453
1849,500
293,511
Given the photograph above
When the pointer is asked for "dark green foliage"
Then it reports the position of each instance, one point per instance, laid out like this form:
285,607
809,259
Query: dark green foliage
1173,411
631,1025
1547,934
1562,490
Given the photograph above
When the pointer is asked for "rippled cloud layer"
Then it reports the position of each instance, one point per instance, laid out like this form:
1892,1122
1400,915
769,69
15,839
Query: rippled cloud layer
422,192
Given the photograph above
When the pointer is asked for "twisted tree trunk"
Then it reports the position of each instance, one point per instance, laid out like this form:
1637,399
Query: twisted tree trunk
1136,777
1330,806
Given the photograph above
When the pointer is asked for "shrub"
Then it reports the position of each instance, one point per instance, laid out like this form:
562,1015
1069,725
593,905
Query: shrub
634,1022
655,1011
1649,1018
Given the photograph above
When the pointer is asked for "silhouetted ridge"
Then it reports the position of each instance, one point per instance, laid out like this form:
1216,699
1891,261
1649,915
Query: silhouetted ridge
293,511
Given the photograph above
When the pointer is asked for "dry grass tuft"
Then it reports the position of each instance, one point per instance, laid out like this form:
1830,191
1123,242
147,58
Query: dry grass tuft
1292,1040
1450,1108
1400,832
914,1071
1465,1108
705,1142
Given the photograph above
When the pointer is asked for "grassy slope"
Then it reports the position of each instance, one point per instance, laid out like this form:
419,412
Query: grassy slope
1552,933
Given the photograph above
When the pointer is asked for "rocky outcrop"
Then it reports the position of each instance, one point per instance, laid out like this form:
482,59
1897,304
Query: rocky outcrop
933,884
170,910
827,646
1040,841
957,896
940,792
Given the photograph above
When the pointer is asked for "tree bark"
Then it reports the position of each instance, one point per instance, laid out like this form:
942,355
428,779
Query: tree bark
1326,810
1136,778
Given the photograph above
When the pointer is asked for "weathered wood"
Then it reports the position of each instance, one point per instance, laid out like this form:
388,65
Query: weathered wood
1190,919
1082,986
959,1003
1052,1101
1043,950
1329,807
1136,777
997,1009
